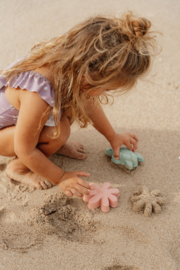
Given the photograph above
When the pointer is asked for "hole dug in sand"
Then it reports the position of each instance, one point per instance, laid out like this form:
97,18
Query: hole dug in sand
58,216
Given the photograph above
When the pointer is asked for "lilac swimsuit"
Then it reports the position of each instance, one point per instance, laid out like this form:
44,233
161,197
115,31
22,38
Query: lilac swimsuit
31,81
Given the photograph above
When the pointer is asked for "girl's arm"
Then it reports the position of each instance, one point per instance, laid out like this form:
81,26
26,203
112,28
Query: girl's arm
102,124
99,119
27,133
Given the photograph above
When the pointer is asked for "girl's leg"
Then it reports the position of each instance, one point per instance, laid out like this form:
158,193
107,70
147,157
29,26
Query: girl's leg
47,145
72,149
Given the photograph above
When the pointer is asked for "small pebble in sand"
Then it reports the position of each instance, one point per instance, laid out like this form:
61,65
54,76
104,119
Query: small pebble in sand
2,208
146,201
176,86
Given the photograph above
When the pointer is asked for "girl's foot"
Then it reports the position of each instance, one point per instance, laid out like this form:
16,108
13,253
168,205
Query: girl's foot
25,176
72,149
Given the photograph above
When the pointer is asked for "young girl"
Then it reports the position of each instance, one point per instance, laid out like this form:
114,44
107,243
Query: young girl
63,80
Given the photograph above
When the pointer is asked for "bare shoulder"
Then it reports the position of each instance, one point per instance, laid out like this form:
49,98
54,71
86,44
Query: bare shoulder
13,96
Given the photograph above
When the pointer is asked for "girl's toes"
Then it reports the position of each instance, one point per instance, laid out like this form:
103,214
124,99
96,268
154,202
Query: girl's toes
38,185
81,150
49,184
43,184
80,145
81,156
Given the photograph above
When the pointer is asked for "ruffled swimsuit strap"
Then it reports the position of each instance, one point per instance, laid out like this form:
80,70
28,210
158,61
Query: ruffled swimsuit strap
34,82
31,81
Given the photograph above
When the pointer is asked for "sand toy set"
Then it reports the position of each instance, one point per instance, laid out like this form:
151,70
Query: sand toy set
105,196
141,200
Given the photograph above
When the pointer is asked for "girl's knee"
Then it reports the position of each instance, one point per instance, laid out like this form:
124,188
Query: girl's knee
48,133
64,129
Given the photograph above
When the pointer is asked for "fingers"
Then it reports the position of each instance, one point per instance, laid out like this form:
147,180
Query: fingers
116,153
75,192
68,193
129,145
131,142
83,183
134,143
71,184
81,189
134,137
82,173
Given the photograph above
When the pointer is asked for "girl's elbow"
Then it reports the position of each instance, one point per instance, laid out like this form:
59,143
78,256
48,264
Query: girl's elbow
22,152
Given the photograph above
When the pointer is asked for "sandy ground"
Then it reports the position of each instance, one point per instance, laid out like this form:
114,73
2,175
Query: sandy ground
44,230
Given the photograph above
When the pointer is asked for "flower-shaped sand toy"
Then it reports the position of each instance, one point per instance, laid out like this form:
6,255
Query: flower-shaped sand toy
147,202
102,196
127,161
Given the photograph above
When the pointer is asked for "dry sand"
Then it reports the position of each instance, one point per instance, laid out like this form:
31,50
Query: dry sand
43,230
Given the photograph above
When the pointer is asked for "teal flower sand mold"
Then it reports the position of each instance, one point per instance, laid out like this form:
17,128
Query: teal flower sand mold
128,160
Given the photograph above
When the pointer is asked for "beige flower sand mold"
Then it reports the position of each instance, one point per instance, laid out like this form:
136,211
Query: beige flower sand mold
128,160
146,201
102,196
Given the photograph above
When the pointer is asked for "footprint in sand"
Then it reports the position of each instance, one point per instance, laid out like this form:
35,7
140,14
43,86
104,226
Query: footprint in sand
14,193
134,234
21,242
15,234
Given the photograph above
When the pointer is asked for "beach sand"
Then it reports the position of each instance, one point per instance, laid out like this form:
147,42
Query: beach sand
45,230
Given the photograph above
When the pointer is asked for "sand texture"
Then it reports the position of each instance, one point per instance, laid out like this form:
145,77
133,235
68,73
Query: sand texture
45,230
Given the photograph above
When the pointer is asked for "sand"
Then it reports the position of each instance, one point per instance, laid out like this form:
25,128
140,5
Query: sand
45,230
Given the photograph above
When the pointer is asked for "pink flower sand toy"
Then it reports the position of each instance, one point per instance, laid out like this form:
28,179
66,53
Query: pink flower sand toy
102,196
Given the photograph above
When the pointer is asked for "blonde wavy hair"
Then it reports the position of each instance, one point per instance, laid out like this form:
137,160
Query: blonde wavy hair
108,51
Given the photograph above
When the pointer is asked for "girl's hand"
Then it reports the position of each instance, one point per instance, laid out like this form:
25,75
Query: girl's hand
129,139
71,184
